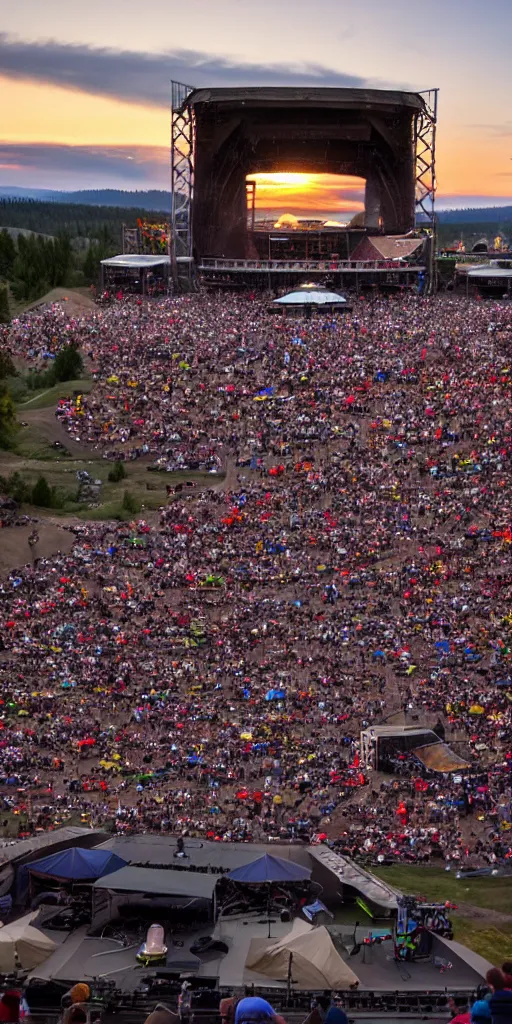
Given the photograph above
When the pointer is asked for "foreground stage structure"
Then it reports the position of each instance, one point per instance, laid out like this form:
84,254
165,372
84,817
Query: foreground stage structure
219,136
220,938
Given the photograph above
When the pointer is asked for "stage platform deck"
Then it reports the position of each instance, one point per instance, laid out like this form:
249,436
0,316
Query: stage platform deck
77,959
157,850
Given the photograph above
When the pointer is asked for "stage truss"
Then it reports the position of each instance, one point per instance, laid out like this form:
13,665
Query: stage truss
182,176
425,153
425,127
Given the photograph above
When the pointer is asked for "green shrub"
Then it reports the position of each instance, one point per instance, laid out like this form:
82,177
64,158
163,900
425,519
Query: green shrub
5,313
68,364
39,379
42,493
117,473
7,367
18,488
130,503
8,425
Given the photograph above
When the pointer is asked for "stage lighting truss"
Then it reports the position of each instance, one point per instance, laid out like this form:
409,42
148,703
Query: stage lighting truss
425,155
182,173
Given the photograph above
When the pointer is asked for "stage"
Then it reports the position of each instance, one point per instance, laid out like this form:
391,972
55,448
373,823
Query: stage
81,957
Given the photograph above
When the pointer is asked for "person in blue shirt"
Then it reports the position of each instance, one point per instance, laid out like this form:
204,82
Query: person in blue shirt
254,1010
500,1003
480,1012
336,1015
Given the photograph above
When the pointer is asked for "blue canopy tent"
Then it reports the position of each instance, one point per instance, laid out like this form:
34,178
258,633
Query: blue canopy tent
269,869
77,865
275,695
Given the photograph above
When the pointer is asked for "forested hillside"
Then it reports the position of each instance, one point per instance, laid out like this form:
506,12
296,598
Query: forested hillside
77,221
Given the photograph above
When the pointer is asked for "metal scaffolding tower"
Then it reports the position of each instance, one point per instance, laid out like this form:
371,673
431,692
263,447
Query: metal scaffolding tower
182,183
425,126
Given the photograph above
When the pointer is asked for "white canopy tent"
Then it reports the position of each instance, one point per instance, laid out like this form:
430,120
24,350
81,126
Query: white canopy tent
311,295
314,964
21,943
136,261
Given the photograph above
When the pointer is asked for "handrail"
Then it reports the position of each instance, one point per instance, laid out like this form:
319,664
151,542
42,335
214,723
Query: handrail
214,263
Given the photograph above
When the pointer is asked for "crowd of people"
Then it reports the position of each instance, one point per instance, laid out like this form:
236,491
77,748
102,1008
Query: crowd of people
343,561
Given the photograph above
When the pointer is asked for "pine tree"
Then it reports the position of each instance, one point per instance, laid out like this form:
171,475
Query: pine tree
130,503
68,364
5,315
7,367
7,418
7,255
92,263
42,493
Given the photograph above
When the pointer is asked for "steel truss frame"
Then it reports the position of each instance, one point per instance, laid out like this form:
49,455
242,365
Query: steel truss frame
182,175
425,127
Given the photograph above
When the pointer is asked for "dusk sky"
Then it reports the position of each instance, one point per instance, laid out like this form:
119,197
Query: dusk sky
85,85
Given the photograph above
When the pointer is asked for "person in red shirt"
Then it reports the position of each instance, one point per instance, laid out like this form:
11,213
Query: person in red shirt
10,1006
459,1017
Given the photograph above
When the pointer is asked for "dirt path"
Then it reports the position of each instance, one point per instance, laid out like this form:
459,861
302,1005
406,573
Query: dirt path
489,917
51,429
76,301
15,550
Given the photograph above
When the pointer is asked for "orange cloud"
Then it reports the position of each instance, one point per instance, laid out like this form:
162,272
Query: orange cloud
471,160
308,192
48,113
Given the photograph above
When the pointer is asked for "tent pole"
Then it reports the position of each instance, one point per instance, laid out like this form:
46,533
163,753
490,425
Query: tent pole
289,980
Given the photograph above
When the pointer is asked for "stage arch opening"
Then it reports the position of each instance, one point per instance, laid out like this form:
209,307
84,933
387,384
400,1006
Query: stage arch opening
301,216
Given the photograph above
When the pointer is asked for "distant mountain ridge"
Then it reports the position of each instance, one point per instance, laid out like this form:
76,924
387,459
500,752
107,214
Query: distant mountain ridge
159,199
476,215
153,199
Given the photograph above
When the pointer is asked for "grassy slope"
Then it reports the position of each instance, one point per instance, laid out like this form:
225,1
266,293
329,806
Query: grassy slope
35,457
490,893
49,397
491,940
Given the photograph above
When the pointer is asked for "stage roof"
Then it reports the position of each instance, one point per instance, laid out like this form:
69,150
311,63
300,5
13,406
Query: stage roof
307,96
136,261
67,835
148,850
489,270
391,247
349,873
438,757
160,882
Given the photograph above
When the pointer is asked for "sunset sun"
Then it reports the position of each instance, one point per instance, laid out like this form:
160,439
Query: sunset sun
308,193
